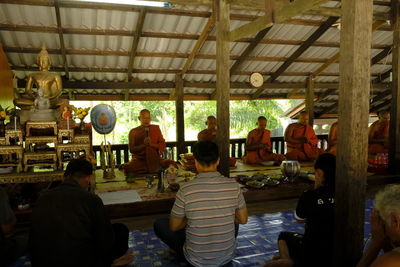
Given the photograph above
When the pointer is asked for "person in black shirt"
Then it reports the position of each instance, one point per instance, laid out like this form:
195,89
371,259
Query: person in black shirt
13,243
70,226
315,208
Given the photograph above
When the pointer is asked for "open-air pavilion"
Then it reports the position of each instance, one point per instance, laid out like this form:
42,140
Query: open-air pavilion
342,57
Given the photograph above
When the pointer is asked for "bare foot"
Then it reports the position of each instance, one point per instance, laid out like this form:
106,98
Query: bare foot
123,260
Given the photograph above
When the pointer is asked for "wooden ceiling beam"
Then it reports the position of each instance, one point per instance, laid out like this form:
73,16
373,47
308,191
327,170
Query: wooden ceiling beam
61,37
315,36
381,55
166,71
249,49
279,15
108,32
199,44
383,106
135,42
143,85
158,54
241,4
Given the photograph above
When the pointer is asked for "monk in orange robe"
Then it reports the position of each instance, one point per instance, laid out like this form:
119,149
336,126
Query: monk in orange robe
258,145
210,134
378,137
301,141
146,143
332,139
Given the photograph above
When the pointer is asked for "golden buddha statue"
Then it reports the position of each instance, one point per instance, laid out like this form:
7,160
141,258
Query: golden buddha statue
50,83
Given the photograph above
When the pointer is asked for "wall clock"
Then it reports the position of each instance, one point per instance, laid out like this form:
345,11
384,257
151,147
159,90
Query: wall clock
256,79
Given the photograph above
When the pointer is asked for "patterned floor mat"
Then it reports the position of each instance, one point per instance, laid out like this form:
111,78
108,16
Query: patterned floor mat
256,242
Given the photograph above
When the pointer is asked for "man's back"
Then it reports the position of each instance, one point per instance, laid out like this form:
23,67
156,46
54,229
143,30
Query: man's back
70,228
209,203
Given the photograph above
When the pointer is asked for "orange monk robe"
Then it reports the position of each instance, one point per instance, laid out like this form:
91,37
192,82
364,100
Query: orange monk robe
255,157
332,139
148,160
208,135
381,133
303,152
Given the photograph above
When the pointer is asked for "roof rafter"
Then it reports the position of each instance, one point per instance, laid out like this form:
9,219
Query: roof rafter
61,37
279,15
197,47
336,57
51,29
379,79
143,85
135,41
315,36
199,44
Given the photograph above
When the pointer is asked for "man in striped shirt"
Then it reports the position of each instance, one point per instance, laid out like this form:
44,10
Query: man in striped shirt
206,209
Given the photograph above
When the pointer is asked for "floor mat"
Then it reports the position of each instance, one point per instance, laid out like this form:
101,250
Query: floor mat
256,241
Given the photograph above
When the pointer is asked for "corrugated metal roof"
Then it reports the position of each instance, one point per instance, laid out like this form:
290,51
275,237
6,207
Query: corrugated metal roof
157,23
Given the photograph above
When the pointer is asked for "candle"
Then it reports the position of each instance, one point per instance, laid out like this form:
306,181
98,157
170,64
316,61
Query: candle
68,123
15,123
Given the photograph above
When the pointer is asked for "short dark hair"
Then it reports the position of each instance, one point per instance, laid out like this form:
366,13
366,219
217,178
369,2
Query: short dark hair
78,169
327,163
261,118
206,152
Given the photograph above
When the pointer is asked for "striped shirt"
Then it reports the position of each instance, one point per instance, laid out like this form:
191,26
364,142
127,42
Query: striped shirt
209,203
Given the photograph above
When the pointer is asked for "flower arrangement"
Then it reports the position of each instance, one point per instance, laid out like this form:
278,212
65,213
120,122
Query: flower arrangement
5,113
80,113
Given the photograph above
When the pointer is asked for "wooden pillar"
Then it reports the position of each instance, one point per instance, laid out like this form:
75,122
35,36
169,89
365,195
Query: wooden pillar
221,10
351,170
180,120
310,99
394,138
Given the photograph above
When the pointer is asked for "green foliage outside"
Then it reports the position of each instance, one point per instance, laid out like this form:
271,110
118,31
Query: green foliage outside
243,116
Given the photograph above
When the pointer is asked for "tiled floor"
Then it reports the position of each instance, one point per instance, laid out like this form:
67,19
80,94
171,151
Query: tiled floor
256,242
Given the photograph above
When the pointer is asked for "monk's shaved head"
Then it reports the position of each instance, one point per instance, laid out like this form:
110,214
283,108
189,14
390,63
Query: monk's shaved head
303,118
144,117
143,111
262,123
211,123
261,118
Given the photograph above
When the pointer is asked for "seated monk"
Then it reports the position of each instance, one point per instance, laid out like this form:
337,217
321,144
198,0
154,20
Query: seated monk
301,141
332,139
258,145
378,136
210,134
146,143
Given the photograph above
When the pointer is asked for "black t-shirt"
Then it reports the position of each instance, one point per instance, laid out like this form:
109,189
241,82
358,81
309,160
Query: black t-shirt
317,208
70,228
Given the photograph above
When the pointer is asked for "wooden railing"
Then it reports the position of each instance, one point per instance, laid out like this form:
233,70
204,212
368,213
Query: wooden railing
237,148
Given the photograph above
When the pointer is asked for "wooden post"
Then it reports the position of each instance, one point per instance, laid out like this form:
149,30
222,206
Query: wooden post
351,169
180,120
221,10
310,99
394,137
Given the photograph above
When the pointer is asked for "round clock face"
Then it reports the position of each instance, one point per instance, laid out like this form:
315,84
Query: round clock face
256,79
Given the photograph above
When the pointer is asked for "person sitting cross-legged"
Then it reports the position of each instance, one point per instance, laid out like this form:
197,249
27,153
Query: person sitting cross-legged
203,222
316,209
70,226
385,230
